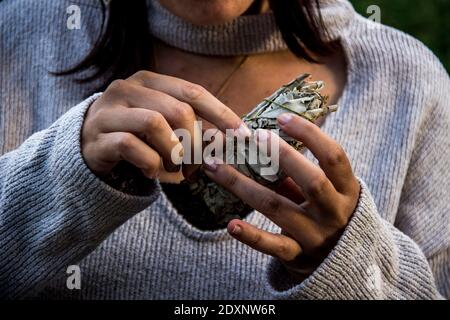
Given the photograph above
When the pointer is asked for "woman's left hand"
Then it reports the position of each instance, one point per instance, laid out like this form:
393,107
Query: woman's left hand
312,208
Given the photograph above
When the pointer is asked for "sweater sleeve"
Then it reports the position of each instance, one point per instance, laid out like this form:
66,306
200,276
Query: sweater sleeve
372,260
375,259
53,209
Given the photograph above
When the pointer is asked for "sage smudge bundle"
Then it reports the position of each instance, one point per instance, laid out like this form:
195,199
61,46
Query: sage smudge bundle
300,97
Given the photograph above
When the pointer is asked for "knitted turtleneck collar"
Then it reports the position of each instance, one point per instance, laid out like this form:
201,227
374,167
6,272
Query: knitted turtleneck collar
248,34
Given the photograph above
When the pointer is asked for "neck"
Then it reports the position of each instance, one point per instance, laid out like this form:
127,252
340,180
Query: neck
247,34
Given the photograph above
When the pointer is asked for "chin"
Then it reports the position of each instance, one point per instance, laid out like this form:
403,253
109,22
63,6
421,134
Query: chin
207,12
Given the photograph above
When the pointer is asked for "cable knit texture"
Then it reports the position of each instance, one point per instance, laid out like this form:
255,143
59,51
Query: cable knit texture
393,123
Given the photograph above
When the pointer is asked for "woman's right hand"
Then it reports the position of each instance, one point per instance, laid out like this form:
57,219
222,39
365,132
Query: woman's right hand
134,120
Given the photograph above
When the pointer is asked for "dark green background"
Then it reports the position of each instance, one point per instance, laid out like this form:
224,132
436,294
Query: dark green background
426,20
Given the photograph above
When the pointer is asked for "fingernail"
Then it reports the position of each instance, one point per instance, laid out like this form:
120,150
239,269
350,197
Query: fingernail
177,157
262,135
284,118
243,131
210,164
236,229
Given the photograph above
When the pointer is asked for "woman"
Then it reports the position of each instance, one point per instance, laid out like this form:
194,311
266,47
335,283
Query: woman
369,222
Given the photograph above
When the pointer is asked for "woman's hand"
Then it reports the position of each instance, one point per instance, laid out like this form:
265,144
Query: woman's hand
134,121
313,207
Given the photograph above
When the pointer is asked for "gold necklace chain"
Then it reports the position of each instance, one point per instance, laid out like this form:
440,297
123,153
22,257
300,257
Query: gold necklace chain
224,85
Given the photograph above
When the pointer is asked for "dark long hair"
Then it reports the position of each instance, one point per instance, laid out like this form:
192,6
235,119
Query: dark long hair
124,45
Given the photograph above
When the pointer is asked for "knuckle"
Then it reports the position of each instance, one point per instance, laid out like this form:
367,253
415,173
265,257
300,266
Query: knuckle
154,121
125,142
193,91
97,116
117,86
341,220
282,251
340,216
317,185
336,157
95,120
144,74
270,204
183,111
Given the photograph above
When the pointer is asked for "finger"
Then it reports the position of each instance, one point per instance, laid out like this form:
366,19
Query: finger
133,95
204,103
276,245
149,125
117,146
331,156
314,184
277,208
179,115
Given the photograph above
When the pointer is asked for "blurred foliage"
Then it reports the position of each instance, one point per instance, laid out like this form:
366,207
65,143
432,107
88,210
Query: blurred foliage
426,20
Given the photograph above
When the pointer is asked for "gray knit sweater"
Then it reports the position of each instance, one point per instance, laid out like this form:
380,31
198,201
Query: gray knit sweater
54,212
